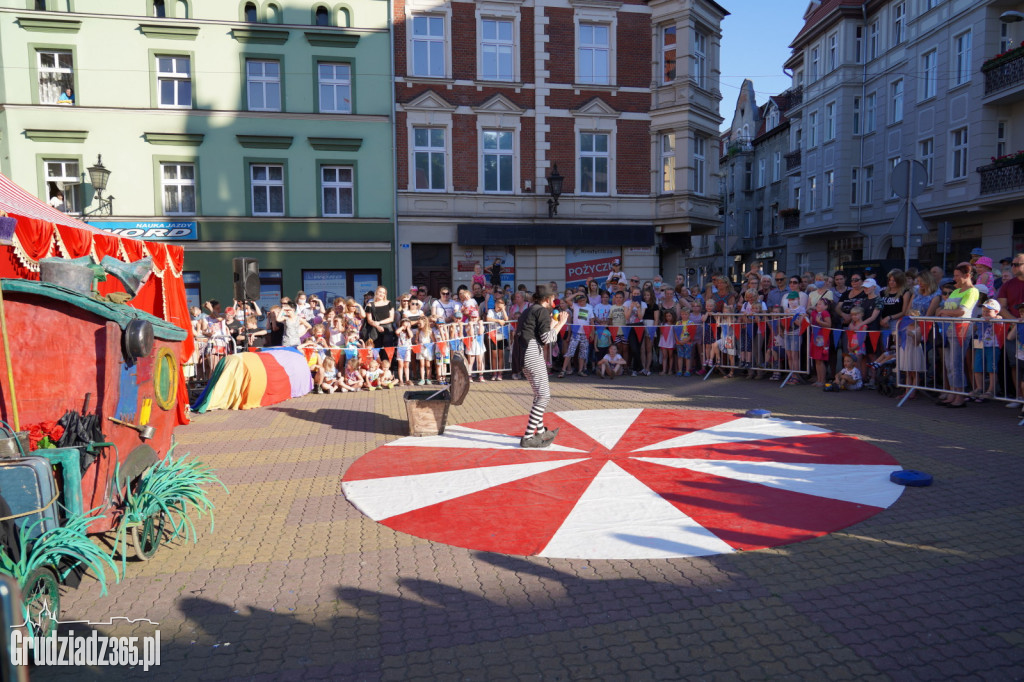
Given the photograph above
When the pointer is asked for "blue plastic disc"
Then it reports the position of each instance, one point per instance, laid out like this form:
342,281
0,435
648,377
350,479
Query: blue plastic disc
911,478
758,414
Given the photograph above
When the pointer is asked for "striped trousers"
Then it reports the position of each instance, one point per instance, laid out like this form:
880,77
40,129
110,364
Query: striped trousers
536,372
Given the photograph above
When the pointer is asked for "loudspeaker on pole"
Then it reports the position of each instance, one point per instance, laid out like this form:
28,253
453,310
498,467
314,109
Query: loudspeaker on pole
247,279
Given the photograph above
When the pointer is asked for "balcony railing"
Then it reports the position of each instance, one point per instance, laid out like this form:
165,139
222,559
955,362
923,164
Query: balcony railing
796,97
1005,75
791,222
1002,177
792,160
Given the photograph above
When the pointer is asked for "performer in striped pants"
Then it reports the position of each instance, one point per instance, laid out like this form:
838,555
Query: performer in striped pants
536,327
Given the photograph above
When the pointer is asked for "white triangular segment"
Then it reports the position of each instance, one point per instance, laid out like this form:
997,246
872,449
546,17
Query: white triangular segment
463,437
738,431
604,426
380,498
429,100
857,483
618,517
597,107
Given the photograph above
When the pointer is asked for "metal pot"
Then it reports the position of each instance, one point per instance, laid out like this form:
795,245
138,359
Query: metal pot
67,274
9,446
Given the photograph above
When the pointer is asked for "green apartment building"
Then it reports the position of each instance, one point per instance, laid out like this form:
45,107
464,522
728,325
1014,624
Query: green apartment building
257,128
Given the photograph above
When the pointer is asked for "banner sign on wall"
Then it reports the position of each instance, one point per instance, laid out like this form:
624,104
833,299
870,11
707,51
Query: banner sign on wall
326,284
508,263
584,263
151,230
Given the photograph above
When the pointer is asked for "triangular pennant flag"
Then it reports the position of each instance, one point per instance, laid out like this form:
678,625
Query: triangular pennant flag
480,340
442,346
429,347
785,323
901,330
926,327
599,329
639,332
403,353
961,330
615,332
852,342
837,337
760,326
493,334
467,343
804,324
376,353
417,348
456,345
364,354
351,353
714,331
575,328
886,333
1000,332
874,339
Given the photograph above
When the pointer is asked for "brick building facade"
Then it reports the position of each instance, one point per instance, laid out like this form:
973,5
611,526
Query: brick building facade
491,97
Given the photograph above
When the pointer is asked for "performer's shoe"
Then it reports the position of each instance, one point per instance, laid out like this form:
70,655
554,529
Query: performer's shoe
534,441
548,437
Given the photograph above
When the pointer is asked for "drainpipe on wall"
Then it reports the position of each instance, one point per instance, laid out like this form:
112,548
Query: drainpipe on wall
396,247
863,112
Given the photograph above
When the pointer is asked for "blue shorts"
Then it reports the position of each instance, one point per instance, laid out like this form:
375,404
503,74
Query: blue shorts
986,359
685,351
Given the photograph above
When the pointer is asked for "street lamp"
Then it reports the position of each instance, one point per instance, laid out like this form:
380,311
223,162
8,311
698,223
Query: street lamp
555,190
98,176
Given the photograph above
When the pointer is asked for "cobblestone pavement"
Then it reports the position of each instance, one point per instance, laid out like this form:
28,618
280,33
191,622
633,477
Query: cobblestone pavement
294,583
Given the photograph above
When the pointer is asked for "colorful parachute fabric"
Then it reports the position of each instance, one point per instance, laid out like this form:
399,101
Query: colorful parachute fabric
248,380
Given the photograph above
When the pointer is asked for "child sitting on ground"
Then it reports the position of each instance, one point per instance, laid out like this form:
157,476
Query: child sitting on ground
612,364
353,380
328,380
849,378
372,375
387,379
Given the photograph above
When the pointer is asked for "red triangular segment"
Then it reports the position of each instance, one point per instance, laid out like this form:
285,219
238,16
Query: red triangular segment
639,332
826,448
658,426
748,515
519,517
398,460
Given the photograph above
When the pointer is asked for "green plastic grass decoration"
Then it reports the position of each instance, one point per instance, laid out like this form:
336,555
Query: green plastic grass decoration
66,545
169,487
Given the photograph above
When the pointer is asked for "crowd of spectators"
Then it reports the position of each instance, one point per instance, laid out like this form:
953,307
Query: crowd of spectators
757,329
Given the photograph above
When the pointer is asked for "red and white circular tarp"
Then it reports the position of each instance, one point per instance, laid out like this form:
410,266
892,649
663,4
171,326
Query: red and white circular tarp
624,484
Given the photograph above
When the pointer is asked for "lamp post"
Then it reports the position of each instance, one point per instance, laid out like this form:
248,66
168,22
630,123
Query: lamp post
1011,17
724,177
98,176
555,190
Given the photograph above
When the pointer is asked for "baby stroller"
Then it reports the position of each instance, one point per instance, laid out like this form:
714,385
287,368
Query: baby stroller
885,379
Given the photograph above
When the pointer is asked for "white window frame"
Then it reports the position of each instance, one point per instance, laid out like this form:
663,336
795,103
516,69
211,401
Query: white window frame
591,158
896,94
669,53
1002,137
430,150
959,154
855,114
422,37
927,150
262,82
68,183
812,192
700,58
930,73
961,58
873,40
53,80
870,112
762,172
339,85
833,52
1005,41
499,47
267,185
899,23
815,61
668,162
178,185
869,184
812,130
830,188
830,121
893,162
776,166
858,44
499,153
339,188
748,225
177,77
700,143
854,188
594,53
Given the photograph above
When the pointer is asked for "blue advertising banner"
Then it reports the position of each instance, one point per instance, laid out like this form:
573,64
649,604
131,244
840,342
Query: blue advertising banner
151,230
